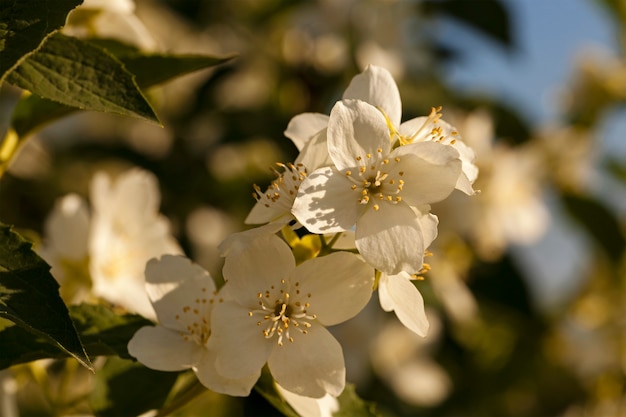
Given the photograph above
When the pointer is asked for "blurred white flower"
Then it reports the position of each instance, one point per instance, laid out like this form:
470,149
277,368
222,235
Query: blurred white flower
374,187
275,312
402,360
183,295
126,231
103,252
114,19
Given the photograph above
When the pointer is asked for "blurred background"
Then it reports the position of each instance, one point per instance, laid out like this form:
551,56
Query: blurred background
527,289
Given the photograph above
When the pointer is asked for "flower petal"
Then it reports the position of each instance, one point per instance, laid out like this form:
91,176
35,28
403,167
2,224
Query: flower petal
163,349
67,227
430,170
340,285
357,134
256,264
326,203
175,285
210,378
304,126
241,349
310,407
397,293
391,238
312,365
377,87
314,154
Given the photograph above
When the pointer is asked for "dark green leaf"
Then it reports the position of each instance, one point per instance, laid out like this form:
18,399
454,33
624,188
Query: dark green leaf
29,296
102,331
33,112
75,73
600,222
24,24
127,388
489,17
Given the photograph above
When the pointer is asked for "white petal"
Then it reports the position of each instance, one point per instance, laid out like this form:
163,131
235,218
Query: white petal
314,154
326,203
304,126
259,265
237,242
241,349
391,239
377,87
210,378
312,365
429,223
357,130
163,349
430,171
177,288
340,285
397,293
67,227
310,407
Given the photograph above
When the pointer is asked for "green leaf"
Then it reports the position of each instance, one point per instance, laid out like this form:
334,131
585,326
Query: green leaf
33,112
24,24
490,17
127,388
75,73
102,331
350,404
29,296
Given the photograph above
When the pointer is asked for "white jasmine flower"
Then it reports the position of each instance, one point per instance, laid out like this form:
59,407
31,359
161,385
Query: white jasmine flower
377,87
126,231
66,234
374,187
277,313
397,292
183,295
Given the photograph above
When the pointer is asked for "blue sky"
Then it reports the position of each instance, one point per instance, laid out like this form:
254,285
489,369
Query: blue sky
550,36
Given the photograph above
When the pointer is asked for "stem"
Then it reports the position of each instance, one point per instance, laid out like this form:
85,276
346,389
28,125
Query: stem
328,246
182,398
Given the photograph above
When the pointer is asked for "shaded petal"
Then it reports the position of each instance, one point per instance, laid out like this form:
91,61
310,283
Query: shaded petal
340,285
312,365
391,239
256,265
310,407
67,227
377,87
398,293
175,286
163,349
209,377
430,171
304,126
315,154
240,347
355,130
326,203
428,222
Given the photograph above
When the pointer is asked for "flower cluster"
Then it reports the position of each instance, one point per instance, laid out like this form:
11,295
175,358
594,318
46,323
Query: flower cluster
361,188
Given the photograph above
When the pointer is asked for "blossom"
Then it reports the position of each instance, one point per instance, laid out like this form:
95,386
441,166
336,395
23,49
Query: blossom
126,231
376,86
397,292
275,312
310,407
183,295
374,188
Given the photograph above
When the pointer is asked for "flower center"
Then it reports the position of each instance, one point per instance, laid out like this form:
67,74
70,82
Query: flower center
282,191
377,181
282,312
195,318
